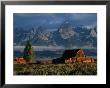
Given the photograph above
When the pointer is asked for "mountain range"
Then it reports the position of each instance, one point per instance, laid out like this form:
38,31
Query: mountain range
66,35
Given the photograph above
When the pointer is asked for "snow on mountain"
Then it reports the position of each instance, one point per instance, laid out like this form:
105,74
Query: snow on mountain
66,30
93,33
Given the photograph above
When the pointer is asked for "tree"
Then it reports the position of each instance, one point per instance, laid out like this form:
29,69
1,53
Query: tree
28,52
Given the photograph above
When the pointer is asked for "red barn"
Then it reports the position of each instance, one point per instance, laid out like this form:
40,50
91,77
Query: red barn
76,55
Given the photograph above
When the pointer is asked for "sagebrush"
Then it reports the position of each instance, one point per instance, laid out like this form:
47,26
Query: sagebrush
56,69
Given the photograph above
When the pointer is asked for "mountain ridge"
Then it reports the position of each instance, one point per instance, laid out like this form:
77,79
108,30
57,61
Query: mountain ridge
66,35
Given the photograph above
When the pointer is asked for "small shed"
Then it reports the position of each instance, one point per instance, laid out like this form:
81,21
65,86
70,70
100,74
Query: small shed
18,60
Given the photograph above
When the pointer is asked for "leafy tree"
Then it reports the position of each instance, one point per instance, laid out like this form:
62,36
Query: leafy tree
28,52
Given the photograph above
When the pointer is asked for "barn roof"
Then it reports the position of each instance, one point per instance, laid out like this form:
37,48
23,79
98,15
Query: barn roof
73,51
70,53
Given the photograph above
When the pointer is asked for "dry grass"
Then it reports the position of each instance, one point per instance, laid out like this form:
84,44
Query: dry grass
56,69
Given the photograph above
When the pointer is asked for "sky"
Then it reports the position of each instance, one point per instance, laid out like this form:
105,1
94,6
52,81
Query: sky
52,21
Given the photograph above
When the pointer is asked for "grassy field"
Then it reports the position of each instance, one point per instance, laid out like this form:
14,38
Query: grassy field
56,69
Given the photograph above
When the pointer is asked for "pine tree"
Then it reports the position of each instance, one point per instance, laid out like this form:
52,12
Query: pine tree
28,52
